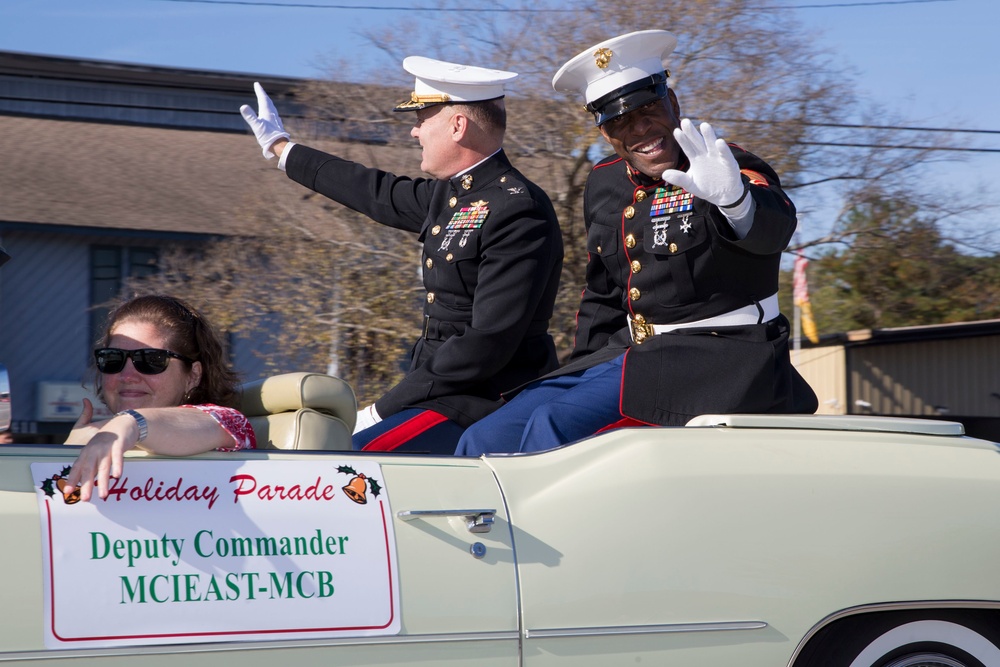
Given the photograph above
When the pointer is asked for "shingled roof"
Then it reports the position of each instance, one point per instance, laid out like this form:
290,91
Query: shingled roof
138,149
119,147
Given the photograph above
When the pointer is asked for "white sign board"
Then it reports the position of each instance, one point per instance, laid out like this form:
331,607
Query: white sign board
63,401
205,551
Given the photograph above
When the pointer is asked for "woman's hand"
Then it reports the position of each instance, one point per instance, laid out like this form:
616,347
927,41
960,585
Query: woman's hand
102,458
84,429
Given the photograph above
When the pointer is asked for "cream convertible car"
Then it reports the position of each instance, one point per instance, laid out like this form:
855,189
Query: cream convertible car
757,541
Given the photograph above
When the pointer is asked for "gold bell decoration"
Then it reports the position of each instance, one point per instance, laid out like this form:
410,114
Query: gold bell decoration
57,484
70,499
356,489
360,485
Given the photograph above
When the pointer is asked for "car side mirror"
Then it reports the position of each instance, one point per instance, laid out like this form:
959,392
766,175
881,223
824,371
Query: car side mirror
4,399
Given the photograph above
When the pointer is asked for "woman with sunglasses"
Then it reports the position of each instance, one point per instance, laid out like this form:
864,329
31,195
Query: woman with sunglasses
161,371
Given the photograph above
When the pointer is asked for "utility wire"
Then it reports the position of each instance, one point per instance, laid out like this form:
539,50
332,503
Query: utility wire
900,147
860,126
397,8
499,10
749,121
861,4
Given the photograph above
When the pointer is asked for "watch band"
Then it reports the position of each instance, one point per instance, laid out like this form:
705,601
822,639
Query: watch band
139,420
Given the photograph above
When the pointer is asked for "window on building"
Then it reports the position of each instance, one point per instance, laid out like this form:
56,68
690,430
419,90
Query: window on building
109,267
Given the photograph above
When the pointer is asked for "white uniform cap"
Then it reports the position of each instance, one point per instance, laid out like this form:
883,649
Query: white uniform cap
616,68
440,82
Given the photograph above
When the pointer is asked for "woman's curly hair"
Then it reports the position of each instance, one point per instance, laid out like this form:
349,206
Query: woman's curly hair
188,333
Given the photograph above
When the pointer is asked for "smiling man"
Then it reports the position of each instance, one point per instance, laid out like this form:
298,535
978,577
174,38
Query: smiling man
679,315
492,252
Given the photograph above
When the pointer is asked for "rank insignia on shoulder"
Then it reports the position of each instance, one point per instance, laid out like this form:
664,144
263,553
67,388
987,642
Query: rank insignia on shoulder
515,191
755,177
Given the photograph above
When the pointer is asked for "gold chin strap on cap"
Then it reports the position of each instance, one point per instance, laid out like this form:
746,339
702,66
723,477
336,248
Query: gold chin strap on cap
420,100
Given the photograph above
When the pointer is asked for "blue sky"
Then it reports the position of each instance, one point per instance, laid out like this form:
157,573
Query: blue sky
930,61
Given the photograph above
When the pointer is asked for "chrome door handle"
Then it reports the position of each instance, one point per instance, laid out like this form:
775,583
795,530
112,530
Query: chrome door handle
477,521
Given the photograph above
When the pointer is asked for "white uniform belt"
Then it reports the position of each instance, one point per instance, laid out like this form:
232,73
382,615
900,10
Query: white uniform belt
752,314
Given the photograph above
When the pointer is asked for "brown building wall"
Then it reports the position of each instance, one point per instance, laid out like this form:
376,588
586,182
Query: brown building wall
939,378
824,369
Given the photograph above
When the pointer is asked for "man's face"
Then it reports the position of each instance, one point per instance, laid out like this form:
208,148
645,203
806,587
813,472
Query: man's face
434,131
644,137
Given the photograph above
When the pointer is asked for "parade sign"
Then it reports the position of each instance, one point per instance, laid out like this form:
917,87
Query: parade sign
203,551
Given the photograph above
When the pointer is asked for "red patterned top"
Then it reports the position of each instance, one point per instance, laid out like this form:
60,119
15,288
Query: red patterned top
234,423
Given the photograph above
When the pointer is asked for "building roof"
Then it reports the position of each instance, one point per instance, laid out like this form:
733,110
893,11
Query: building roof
79,174
100,146
924,332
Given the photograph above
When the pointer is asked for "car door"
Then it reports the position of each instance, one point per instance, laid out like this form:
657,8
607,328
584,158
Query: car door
445,592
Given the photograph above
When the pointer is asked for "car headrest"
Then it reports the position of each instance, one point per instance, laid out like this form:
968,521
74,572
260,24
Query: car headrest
300,411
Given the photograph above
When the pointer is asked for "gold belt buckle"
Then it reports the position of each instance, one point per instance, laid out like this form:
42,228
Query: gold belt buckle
640,329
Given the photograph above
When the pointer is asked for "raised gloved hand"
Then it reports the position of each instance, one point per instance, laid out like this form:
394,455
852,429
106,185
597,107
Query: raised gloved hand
266,124
713,175
367,417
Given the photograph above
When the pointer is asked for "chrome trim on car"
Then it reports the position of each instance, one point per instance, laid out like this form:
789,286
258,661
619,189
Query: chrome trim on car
887,606
724,626
478,521
518,602
173,649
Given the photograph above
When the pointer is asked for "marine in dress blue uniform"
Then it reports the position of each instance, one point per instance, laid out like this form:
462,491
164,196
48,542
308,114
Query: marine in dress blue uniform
492,256
680,314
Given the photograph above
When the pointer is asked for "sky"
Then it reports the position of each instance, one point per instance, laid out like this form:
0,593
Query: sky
933,62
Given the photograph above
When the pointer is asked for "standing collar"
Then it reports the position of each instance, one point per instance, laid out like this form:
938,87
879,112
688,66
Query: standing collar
483,172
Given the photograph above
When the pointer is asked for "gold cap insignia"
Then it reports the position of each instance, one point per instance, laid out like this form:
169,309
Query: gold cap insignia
420,101
602,57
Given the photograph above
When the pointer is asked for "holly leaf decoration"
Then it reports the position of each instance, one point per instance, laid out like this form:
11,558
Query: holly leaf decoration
346,469
48,487
65,471
374,487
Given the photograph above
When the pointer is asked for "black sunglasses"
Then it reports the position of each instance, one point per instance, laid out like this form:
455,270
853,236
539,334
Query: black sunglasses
148,361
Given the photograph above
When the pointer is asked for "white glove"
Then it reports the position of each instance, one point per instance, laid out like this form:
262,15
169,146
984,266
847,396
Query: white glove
366,417
266,124
713,175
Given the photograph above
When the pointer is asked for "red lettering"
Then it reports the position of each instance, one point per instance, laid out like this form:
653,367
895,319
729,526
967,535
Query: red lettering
117,488
247,485
152,491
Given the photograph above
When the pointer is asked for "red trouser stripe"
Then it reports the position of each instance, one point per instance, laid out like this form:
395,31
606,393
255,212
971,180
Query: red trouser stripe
405,432
624,422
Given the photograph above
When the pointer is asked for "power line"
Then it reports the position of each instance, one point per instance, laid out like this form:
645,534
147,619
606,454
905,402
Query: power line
861,126
500,10
900,147
397,8
873,3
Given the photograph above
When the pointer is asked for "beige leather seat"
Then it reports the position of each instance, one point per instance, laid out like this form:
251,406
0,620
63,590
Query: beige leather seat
300,411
